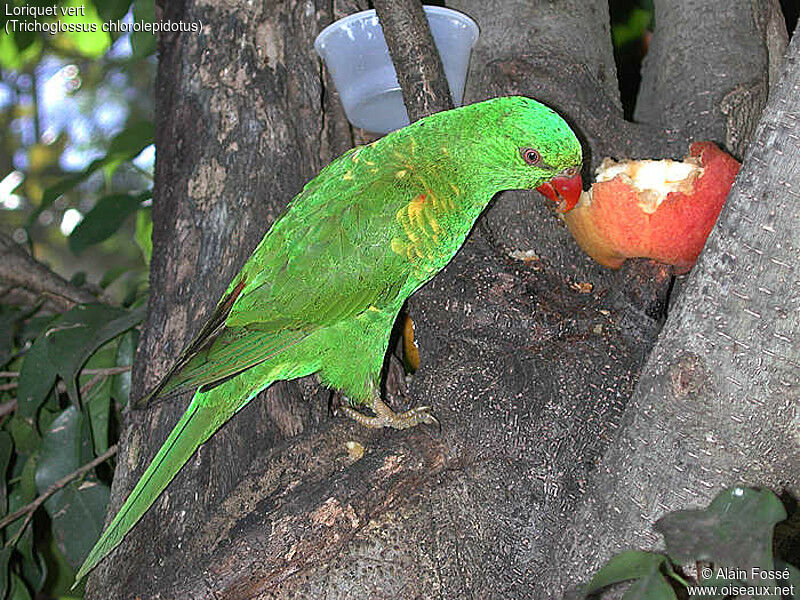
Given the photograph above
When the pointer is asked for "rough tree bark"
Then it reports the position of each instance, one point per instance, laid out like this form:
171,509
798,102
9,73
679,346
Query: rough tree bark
27,281
241,125
718,402
531,376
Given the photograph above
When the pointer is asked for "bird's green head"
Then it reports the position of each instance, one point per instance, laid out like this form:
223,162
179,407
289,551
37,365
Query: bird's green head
522,144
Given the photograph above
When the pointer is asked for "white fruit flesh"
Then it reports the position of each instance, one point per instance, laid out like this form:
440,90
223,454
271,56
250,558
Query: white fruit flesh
653,179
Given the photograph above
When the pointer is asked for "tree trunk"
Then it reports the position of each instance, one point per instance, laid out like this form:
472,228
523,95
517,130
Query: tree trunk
531,376
244,119
718,402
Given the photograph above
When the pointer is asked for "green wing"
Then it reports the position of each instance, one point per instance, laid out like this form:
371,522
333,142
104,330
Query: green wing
325,264
326,259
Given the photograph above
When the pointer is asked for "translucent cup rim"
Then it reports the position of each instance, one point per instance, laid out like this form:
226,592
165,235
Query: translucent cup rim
364,14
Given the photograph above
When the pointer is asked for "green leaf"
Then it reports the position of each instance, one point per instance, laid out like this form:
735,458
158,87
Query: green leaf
625,33
98,409
82,330
9,59
91,44
49,412
62,186
126,145
652,586
112,275
6,447
112,10
78,510
26,440
144,234
143,42
24,37
65,447
631,564
734,531
126,350
78,513
32,568
36,378
18,589
23,492
60,574
130,142
103,220
16,52
31,328
5,555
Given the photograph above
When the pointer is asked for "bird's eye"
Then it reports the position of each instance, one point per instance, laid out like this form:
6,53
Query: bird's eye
530,156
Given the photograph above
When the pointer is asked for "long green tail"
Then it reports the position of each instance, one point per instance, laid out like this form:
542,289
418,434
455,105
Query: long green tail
207,412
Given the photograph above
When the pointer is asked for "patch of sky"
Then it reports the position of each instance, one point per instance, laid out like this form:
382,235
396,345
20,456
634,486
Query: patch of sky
6,96
20,159
146,158
63,108
122,48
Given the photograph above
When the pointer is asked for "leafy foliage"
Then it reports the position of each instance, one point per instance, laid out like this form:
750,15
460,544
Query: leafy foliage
78,114
57,429
104,220
75,335
631,23
734,531
644,567
77,511
729,543
633,29
125,146
66,377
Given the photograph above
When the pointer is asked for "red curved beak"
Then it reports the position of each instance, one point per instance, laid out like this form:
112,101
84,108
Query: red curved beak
564,191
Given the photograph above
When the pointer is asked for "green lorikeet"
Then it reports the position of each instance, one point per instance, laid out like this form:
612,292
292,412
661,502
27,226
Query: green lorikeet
322,290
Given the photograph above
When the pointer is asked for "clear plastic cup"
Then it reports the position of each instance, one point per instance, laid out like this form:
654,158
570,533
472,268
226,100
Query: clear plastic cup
357,57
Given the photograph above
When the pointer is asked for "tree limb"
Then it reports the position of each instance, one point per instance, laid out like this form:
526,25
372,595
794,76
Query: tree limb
717,400
20,270
6,408
31,507
101,371
199,202
99,374
419,67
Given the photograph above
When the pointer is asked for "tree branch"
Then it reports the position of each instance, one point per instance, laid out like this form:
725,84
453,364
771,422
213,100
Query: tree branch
31,507
416,60
6,408
20,270
99,374
103,371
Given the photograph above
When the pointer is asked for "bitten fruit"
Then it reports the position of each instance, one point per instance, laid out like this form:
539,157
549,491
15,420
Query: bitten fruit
659,209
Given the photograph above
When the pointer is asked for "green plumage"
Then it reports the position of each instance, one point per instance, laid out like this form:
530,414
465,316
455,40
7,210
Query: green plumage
322,290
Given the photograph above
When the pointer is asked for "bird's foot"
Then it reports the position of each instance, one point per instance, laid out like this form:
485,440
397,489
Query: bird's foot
386,417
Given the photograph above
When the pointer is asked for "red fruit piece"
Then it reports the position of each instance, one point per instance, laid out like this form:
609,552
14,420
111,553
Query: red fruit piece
662,210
